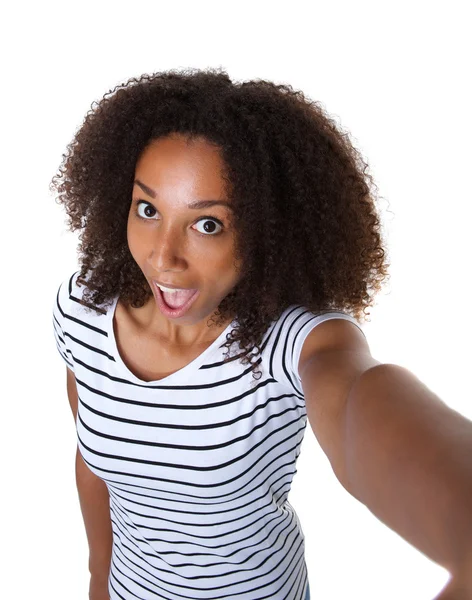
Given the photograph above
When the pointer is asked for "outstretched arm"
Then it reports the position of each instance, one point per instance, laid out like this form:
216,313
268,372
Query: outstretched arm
393,444
409,460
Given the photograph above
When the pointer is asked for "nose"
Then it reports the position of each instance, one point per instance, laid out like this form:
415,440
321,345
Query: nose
167,251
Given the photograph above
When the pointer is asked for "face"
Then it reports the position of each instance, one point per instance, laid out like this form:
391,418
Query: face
174,242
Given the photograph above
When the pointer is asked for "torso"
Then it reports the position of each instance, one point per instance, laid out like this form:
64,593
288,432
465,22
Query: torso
145,356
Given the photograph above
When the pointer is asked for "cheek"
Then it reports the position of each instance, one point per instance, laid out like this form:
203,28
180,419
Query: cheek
137,247
137,237
132,239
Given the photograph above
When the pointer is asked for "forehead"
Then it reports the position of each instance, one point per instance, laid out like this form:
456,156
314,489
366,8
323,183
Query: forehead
178,166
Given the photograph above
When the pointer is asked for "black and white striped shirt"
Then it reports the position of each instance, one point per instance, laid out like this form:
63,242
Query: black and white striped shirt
198,465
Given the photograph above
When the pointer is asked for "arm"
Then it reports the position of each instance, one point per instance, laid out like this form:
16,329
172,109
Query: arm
392,443
409,460
94,503
95,506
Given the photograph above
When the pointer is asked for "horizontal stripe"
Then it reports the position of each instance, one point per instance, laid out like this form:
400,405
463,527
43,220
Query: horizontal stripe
199,464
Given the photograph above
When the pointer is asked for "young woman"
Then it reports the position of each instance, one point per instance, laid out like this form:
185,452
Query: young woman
230,246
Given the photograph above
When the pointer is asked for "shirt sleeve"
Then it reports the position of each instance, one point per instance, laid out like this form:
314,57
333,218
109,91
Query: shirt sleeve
288,337
60,314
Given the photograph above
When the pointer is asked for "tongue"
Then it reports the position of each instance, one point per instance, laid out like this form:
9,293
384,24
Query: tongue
177,299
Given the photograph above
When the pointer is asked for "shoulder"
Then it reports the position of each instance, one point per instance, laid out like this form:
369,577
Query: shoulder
311,333
70,295
71,286
65,291
336,331
296,335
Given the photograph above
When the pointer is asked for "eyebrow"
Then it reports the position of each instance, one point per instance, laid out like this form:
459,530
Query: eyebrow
197,205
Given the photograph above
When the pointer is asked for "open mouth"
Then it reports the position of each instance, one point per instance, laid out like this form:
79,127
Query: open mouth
174,303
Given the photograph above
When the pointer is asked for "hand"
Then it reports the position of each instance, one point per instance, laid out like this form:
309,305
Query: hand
455,590
459,587
98,589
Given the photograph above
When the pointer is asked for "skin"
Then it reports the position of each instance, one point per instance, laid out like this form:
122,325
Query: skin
172,245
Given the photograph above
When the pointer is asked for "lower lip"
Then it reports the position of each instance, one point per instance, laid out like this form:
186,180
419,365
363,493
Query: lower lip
173,313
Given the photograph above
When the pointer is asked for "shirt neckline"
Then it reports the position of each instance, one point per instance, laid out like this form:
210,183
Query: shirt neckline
185,371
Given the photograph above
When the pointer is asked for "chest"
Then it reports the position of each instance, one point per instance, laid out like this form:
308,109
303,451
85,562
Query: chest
208,433
147,358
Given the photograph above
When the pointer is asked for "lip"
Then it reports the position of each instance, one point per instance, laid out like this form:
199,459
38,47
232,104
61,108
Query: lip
172,313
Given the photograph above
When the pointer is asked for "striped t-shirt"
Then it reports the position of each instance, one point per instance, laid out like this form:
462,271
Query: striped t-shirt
198,464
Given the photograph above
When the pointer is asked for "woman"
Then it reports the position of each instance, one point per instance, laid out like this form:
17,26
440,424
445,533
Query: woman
228,230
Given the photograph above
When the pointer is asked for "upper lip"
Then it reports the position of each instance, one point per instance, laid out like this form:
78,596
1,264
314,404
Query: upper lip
169,285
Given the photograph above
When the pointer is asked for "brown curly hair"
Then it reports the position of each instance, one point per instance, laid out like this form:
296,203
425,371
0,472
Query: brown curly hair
308,232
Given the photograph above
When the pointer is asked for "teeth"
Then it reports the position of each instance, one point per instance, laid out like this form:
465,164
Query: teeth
164,289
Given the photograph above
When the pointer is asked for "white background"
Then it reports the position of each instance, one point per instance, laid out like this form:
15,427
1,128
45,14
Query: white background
395,75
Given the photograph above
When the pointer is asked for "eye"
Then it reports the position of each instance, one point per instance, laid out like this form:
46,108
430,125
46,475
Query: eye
147,207
209,224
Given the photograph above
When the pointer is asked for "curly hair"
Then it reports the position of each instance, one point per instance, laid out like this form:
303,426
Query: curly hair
307,229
